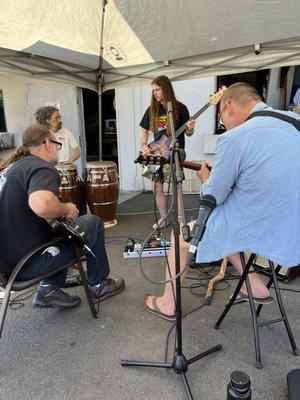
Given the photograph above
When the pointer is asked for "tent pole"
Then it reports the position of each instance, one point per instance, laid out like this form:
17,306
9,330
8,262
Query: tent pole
100,121
100,78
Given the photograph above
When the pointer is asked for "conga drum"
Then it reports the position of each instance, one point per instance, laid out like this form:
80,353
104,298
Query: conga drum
102,190
69,189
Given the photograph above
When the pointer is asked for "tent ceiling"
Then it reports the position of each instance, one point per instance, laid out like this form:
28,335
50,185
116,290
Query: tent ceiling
145,38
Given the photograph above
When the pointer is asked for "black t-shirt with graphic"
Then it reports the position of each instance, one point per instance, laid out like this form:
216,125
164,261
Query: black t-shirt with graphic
182,118
20,228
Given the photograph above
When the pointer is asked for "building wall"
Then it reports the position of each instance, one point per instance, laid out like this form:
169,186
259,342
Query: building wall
23,95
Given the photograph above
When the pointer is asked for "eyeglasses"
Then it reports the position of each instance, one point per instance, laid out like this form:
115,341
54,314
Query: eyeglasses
220,116
58,144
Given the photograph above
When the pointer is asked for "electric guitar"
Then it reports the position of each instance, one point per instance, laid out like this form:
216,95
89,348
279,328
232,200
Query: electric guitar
157,161
162,145
68,229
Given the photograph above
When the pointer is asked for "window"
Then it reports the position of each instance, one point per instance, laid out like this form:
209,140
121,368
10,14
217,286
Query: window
2,116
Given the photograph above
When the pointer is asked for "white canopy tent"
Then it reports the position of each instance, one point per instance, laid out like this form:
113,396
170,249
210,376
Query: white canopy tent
103,44
145,38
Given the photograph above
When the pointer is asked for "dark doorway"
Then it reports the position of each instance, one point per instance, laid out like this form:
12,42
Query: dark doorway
258,79
2,115
109,127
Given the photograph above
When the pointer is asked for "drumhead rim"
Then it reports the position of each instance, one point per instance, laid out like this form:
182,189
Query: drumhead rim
97,164
66,167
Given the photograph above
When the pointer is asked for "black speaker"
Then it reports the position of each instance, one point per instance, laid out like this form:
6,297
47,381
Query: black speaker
284,274
293,383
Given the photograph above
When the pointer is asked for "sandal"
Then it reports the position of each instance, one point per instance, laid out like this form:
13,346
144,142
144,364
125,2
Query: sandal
156,311
242,298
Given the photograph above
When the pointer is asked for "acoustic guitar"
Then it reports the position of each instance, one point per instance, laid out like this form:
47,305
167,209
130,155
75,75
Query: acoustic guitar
162,145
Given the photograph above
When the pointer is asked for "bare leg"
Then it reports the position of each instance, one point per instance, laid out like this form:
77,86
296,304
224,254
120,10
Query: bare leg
166,303
259,290
160,198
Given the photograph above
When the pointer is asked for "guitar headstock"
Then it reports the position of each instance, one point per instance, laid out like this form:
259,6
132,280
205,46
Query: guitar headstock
150,159
216,97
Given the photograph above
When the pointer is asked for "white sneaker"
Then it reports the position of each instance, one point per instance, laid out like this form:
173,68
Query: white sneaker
161,223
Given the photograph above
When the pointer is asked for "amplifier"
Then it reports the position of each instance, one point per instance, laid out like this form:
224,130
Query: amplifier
6,140
284,274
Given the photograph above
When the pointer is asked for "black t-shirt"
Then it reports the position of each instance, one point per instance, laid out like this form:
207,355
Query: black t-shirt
182,118
20,228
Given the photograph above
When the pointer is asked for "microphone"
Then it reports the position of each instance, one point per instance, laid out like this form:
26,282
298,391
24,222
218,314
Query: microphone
207,205
169,107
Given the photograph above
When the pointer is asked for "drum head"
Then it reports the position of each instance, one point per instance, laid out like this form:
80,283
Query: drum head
66,167
101,164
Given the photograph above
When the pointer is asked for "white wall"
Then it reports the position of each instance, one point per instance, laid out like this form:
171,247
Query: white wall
131,104
23,95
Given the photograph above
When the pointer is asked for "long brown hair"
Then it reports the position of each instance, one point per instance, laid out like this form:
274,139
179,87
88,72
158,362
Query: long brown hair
163,82
33,136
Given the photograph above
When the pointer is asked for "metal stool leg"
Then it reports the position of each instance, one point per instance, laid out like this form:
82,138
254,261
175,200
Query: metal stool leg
236,292
253,313
268,285
282,309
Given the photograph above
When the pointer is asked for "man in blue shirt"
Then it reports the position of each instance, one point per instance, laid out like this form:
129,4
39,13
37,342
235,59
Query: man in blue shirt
256,181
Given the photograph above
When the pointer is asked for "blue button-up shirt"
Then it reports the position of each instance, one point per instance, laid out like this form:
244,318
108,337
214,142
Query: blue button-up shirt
256,181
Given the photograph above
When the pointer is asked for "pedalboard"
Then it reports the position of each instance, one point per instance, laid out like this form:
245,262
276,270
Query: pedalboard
154,248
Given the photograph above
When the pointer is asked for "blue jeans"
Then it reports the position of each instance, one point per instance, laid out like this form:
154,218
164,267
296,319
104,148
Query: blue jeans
97,271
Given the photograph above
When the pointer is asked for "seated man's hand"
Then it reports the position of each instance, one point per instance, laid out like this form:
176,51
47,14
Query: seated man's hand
72,212
203,173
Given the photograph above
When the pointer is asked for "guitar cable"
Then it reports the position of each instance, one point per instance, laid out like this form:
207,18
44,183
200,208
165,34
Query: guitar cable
95,258
172,278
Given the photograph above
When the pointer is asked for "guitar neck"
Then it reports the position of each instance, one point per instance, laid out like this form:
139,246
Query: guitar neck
192,165
183,127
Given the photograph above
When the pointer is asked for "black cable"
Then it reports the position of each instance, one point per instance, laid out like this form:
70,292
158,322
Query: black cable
18,301
286,290
95,258
173,278
123,237
173,326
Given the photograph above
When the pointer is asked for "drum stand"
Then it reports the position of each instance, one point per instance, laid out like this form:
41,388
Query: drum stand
180,363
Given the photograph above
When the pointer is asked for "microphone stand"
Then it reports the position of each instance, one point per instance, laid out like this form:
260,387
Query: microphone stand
180,363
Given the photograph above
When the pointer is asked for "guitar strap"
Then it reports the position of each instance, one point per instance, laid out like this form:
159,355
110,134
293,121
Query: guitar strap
295,122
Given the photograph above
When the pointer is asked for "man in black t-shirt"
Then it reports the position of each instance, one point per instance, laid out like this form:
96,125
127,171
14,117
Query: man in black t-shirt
29,190
155,120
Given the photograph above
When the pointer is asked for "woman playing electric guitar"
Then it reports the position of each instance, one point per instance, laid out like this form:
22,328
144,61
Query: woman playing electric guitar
155,120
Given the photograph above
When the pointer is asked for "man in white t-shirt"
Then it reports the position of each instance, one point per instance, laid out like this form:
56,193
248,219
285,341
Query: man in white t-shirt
50,117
